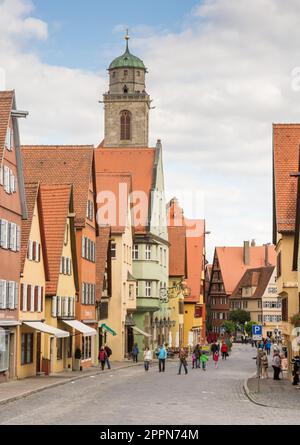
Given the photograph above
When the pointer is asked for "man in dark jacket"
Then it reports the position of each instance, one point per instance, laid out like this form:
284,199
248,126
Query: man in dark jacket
215,347
108,353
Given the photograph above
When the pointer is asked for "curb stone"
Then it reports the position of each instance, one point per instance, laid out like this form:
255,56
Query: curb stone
65,382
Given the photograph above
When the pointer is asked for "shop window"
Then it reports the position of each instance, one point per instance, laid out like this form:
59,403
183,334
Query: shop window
26,349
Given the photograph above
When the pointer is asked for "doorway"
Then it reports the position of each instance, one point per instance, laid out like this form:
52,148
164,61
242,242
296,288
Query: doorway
12,373
130,341
38,353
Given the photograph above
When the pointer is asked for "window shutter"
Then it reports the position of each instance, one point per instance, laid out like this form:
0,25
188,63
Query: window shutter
54,307
16,300
5,235
83,247
11,295
1,175
32,300
66,307
42,298
28,298
2,294
39,252
82,293
18,238
24,302
6,179
11,182
59,306
30,250
36,298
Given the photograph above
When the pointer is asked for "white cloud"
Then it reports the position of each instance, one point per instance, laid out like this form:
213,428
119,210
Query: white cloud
218,85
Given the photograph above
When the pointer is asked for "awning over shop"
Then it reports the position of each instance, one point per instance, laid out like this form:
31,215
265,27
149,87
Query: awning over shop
108,329
139,331
81,327
47,329
9,323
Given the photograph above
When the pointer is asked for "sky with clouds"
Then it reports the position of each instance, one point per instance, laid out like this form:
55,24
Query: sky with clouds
220,73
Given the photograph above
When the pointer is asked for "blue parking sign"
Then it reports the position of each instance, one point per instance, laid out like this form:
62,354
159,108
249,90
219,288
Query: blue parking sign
257,331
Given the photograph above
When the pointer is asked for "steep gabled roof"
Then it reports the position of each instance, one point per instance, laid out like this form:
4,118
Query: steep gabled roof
286,139
62,165
55,202
232,266
6,104
116,188
258,277
138,162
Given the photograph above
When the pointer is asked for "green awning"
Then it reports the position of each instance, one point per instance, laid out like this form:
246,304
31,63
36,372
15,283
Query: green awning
108,329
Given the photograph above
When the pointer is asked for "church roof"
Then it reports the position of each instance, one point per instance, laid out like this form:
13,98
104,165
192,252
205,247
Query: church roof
127,60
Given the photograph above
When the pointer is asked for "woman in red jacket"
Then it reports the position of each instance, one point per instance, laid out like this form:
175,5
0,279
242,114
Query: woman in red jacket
102,357
224,351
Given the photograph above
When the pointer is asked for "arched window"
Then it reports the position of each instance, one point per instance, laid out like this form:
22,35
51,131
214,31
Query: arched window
125,125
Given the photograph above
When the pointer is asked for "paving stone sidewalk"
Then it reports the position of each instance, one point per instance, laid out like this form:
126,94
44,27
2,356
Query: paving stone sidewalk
19,389
272,393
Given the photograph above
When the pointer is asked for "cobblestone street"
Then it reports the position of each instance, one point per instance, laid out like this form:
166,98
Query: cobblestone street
130,396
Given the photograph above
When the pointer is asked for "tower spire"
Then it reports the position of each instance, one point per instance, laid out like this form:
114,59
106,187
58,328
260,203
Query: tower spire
127,37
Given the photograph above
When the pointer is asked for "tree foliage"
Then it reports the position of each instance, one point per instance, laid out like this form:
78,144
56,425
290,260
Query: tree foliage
239,316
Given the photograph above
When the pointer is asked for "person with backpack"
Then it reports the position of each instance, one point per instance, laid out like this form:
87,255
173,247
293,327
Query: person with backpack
102,357
183,362
108,353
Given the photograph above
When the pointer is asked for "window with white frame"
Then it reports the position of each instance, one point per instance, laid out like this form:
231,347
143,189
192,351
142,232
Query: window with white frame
86,348
4,350
66,266
9,295
34,251
8,180
88,249
10,236
135,252
148,289
9,139
31,298
88,292
148,251
90,210
113,250
63,307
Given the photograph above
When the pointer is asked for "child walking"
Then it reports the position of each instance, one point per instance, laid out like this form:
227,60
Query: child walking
216,358
203,360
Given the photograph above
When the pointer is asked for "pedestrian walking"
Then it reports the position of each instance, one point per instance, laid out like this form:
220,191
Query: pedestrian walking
276,364
203,360
162,355
197,355
193,360
183,361
135,353
216,358
268,347
108,353
102,357
147,358
224,351
215,347
264,366
296,370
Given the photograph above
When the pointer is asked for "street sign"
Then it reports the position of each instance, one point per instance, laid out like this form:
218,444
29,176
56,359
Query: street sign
257,332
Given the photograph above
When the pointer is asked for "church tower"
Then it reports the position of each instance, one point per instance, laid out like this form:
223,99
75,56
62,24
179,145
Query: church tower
126,105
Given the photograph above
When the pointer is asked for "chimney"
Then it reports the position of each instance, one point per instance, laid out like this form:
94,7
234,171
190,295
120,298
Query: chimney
246,253
267,255
253,243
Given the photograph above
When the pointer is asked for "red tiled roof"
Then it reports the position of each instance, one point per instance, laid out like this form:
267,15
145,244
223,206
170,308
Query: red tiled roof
138,162
6,103
62,165
102,243
286,139
55,203
31,190
258,278
231,261
113,186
